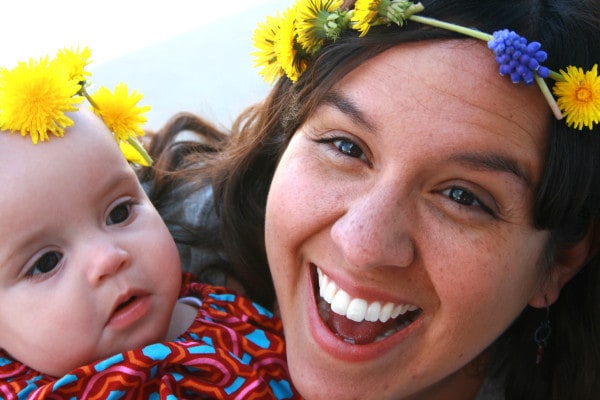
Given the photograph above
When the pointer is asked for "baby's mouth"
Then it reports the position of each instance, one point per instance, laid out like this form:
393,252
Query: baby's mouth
125,303
356,320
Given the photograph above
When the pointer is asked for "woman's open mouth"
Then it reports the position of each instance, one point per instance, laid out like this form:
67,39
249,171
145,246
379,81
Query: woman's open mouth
356,320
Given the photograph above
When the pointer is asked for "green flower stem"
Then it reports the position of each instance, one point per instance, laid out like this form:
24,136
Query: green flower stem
556,76
140,149
548,96
452,27
88,97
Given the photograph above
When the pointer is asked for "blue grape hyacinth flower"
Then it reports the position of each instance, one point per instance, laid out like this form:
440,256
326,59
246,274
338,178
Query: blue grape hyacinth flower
517,58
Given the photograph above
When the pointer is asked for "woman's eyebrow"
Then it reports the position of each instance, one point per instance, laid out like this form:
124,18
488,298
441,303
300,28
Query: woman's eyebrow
494,162
346,106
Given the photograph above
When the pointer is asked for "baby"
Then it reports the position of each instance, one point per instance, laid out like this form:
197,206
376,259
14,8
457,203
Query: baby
90,276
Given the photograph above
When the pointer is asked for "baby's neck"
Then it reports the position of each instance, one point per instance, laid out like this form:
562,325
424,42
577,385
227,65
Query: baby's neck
181,319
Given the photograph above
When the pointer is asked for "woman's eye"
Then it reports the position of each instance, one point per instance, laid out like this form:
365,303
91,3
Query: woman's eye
348,148
462,196
119,214
45,264
466,198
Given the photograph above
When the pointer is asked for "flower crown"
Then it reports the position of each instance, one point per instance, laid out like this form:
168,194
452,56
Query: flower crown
287,42
35,95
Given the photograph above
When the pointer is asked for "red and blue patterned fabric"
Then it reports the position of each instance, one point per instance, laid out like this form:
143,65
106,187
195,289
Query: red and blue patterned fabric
234,350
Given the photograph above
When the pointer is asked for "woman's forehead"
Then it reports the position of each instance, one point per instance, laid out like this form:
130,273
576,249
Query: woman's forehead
443,78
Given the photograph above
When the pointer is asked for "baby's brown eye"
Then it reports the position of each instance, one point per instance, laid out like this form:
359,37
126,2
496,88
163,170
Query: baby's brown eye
46,263
119,214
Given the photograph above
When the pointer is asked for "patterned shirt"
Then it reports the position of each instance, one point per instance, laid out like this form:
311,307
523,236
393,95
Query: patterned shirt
233,350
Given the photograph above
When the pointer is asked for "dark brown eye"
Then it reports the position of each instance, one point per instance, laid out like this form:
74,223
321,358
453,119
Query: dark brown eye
46,263
119,214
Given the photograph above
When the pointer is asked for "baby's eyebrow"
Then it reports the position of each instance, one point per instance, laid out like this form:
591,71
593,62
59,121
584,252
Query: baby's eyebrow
11,258
494,162
346,106
121,178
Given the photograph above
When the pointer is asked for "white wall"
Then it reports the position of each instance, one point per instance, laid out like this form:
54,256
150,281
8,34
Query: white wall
183,55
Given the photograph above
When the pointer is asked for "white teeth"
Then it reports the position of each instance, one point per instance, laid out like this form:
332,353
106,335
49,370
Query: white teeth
340,302
373,311
386,312
357,309
329,292
401,309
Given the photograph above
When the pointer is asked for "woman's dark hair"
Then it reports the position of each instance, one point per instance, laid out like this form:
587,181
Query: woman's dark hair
185,202
567,200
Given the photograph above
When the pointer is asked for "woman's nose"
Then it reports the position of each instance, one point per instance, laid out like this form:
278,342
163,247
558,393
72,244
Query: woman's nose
375,231
105,258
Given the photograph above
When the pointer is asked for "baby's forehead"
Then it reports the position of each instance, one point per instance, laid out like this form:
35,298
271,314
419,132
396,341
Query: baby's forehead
86,133
81,167
85,121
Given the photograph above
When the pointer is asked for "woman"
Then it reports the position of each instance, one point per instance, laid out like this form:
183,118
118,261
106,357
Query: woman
430,227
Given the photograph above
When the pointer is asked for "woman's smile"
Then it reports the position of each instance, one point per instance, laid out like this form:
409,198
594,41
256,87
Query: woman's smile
356,341
356,320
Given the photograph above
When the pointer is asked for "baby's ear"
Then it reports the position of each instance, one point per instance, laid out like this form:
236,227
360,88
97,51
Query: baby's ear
568,260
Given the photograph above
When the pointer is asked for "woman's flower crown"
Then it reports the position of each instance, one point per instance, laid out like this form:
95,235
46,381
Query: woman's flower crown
35,95
287,42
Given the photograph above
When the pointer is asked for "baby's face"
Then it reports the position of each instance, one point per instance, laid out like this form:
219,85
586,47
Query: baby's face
87,266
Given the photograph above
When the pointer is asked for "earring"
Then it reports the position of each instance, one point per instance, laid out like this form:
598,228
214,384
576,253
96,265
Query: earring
542,334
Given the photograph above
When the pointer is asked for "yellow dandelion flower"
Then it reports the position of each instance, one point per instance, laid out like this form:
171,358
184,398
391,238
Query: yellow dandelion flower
75,61
365,13
264,41
120,111
288,56
34,97
314,24
579,96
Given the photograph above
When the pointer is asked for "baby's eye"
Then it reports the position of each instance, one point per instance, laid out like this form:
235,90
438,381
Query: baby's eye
45,264
119,214
348,148
466,198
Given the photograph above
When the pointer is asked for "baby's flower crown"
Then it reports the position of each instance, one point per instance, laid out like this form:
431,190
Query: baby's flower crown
35,95
287,42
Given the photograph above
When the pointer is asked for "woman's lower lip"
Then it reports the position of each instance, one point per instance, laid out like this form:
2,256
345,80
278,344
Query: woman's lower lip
131,313
338,348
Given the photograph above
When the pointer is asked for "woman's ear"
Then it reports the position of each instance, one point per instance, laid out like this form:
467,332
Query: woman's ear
568,260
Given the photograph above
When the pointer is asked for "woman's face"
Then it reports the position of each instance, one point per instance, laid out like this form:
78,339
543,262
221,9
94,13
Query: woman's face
399,225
